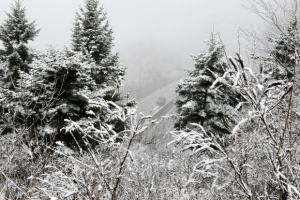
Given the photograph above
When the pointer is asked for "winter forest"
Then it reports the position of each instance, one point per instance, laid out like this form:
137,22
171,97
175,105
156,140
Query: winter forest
69,128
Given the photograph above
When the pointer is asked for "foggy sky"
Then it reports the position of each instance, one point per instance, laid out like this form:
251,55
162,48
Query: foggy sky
148,33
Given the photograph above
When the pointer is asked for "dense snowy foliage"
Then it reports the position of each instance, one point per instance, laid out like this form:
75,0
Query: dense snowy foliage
280,54
92,35
59,89
206,95
64,134
15,33
259,158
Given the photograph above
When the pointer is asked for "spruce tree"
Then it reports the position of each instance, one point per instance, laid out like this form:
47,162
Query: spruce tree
58,93
282,54
206,97
15,33
92,35
279,63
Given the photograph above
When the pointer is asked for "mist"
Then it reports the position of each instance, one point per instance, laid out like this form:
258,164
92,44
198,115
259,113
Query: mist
154,39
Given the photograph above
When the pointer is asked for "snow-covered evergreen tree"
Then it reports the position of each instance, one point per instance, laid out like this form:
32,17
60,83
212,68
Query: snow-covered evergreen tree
205,96
58,91
262,158
15,33
92,35
283,51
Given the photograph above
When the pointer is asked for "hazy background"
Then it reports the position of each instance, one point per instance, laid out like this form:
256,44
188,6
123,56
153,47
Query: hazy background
154,38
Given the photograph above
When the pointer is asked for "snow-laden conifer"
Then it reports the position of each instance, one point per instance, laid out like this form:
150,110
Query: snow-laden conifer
283,51
260,156
92,35
15,33
278,58
205,95
59,92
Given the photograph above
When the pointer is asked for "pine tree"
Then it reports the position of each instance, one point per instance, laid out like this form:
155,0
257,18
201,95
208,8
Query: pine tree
59,91
49,91
206,96
15,33
280,62
92,35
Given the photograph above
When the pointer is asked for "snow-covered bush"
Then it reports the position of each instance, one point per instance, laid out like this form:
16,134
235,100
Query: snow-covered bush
261,160
59,172
56,111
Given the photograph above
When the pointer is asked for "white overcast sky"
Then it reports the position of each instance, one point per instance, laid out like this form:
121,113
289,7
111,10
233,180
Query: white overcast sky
145,28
